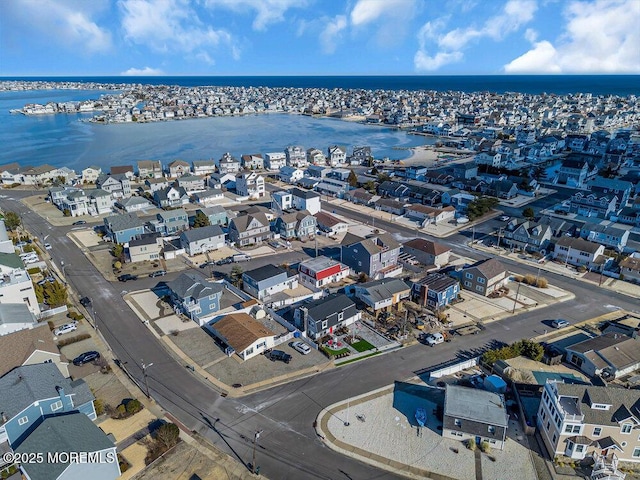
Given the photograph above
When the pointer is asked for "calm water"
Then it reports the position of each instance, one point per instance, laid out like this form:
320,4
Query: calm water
64,140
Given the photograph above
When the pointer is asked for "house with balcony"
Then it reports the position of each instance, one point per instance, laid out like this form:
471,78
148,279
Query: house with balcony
150,169
435,291
593,204
336,155
426,215
484,277
265,281
305,200
427,252
376,256
275,160
228,164
117,185
383,294
296,156
202,239
190,183
171,222
90,174
290,175
293,225
612,355
573,172
527,235
318,272
32,393
333,187
250,184
16,285
361,156
243,335
316,157
171,197
195,297
326,315
249,229
154,184
577,421
177,168
253,161
203,168
124,227
579,252
610,237
620,188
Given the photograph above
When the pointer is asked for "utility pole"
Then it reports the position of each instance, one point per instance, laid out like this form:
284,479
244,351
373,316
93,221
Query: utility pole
515,300
316,239
256,436
144,375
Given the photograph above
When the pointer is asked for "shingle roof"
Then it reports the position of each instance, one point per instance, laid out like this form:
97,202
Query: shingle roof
437,282
384,288
264,272
123,221
240,330
17,347
490,268
189,285
202,233
306,194
579,244
427,246
324,307
16,313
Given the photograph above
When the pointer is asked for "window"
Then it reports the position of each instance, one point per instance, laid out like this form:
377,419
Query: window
457,422
579,448
248,351
479,288
468,275
636,452
548,425
467,283
324,324
572,429
23,420
480,280
492,429
340,316
56,406
626,428
553,440
623,444
597,431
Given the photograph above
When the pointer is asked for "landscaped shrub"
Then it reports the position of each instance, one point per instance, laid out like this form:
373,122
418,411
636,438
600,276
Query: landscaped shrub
124,464
33,270
77,316
52,326
70,340
582,269
485,447
98,405
470,443
525,347
133,406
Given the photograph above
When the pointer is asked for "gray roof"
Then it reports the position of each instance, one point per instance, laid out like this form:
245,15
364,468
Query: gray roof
579,244
74,432
241,222
475,405
11,260
437,282
597,343
264,272
385,288
16,313
172,215
189,285
324,307
306,194
489,268
213,210
30,383
123,221
127,202
202,233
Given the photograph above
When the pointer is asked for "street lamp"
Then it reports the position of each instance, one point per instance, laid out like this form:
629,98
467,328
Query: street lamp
256,436
144,375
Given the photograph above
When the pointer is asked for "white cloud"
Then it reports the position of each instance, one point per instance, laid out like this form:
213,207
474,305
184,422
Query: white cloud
170,26
66,22
267,11
600,36
332,32
367,11
139,72
449,45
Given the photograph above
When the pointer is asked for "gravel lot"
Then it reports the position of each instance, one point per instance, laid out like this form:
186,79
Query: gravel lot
198,345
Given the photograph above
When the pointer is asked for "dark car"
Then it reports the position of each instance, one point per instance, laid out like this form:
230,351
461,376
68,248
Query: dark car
84,301
86,357
275,355
224,261
79,222
158,273
126,277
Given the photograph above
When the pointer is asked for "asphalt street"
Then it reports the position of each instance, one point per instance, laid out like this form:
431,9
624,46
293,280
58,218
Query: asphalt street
287,447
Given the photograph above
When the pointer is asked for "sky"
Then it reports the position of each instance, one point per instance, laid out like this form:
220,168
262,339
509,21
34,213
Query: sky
318,37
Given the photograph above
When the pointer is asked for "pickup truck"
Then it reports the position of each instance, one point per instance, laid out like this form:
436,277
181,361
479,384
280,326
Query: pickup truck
275,355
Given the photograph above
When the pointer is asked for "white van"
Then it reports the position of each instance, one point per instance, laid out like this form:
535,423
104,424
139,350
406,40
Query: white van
241,257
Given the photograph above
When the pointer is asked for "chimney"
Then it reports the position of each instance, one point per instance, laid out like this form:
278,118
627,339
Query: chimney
60,391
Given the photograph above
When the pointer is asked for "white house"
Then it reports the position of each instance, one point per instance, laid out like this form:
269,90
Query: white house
296,156
243,335
202,240
579,252
90,174
281,201
250,184
290,174
317,272
306,200
15,317
275,160
337,155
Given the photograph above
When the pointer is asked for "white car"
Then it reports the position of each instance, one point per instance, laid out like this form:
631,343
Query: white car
66,328
434,339
505,218
47,246
301,347
560,323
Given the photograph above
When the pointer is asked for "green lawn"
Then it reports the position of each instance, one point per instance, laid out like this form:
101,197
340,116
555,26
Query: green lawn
362,346
336,352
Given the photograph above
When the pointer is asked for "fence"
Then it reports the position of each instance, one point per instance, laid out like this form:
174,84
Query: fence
51,312
454,368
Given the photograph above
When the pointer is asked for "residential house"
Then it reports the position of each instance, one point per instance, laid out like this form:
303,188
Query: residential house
426,215
217,215
252,161
593,204
629,216
465,171
505,189
475,415
376,256
190,183
527,235
425,196
172,221
316,273
611,355
250,184
308,182
207,197
249,229
83,449
150,169
322,317
317,171
147,248
395,190
630,268
485,276
275,160
435,291
154,184
263,282
171,197
305,200
177,168
35,175
416,172
316,157
329,224
202,240
360,196
15,317
11,173
390,205
427,252
204,167
381,294
228,164
296,156
125,170
281,201
133,204
336,155
579,252
30,346
16,285
290,174
34,392
243,335
195,297
606,235
491,158
361,156
91,174
341,174
609,186
296,225
117,185
573,172
330,186
123,228
70,199
578,420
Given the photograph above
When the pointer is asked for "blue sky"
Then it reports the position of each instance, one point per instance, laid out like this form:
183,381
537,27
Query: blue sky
318,37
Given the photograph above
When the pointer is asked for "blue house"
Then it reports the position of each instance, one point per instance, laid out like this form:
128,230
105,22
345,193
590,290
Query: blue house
195,297
33,392
173,221
436,290
124,228
416,172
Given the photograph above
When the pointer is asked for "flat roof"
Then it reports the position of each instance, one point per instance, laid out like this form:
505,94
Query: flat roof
476,405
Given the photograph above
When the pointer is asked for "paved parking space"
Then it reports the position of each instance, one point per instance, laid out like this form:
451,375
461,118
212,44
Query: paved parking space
199,346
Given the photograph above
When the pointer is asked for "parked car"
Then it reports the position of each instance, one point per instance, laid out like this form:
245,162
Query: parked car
79,222
126,277
275,355
434,339
66,328
224,261
559,323
206,264
505,218
241,257
158,273
84,301
275,245
47,246
86,357
301,347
